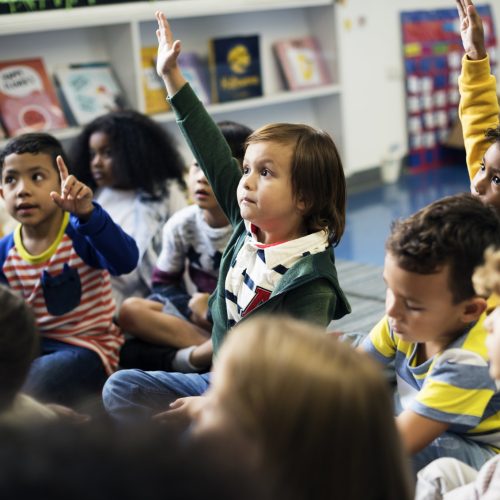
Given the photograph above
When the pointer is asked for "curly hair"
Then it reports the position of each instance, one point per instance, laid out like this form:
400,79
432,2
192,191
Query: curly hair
317,175
453,231
144,154
493,134
486,278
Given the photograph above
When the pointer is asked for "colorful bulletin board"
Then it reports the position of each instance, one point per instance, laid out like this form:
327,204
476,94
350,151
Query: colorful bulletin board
433,51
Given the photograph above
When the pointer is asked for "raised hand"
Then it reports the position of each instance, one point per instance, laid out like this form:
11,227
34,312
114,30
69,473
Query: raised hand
168,51
471,30
75,196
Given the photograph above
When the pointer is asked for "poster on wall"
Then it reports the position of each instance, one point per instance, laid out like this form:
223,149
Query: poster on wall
432,52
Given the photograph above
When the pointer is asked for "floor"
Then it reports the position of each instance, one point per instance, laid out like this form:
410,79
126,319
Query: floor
370,212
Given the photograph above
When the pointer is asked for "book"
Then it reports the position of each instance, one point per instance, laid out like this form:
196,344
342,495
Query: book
235,68
155,95
88,90
301,63
195,71
28,100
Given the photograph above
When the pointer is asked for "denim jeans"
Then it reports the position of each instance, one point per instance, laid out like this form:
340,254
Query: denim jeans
64,373
134,395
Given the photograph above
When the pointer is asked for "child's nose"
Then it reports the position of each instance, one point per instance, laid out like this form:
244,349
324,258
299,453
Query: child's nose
479,184
392,308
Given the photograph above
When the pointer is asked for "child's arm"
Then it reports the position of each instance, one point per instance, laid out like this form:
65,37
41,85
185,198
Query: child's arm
98,240
478,109
417,431
203,136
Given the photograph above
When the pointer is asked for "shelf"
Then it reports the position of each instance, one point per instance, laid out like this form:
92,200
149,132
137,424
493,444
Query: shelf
112,14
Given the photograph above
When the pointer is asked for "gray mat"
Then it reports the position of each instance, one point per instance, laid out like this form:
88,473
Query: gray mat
365,289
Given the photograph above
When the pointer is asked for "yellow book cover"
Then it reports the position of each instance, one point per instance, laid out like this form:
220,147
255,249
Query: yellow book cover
152,85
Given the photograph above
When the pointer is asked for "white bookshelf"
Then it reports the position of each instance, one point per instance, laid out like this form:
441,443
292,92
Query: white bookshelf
116,32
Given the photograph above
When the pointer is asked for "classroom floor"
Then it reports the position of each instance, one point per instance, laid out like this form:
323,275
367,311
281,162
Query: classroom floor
360,255
370,212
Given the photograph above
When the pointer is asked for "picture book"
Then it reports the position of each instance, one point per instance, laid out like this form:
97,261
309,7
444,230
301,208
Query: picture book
195,71
301,63
28,101
88,90
235,68
152,85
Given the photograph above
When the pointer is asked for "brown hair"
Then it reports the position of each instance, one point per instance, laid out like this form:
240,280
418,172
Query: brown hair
317,175
320,411
453,231
493,134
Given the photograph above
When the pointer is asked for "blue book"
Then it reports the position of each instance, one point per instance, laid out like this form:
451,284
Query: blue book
235,68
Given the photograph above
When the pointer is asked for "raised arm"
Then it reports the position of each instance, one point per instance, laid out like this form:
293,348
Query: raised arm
168,52
478,109
471,30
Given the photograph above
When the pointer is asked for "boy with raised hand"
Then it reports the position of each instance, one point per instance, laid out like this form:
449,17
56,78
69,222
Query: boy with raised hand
61,265
434,332
478,109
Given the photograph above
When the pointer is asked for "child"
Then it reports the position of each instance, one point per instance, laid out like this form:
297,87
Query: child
287,208
312,414
434,332
137,174
449,478
479,109
61,265
195,237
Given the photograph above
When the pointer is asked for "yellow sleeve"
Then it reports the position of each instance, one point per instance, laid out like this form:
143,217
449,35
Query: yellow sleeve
478,109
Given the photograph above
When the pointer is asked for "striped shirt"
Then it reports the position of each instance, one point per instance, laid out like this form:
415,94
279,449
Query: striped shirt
258,268
68,290
453,386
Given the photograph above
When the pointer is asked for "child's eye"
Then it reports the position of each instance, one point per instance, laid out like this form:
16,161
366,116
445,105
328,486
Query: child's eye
8,179
37,177
245,170
495,179
412,307
482,167
264,172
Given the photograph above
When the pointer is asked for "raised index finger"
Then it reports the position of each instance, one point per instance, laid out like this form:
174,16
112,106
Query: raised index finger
63,170
461,10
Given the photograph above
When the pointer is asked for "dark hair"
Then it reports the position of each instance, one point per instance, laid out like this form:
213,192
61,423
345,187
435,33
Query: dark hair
18,344
455,230
34,143
317,175
493,134
144,154
236,135
100,461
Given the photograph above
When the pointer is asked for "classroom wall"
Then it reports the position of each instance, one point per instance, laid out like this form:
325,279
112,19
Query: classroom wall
372,75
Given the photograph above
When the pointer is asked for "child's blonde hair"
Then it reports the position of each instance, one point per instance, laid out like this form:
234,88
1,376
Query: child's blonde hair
320,412
317,174
486,278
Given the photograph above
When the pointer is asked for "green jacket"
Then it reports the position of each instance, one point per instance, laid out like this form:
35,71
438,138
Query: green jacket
309,290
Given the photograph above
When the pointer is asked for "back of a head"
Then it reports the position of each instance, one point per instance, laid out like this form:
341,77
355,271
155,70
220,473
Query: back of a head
61,461
453,231
18,344
33,143
309,400
236,135
144,154
317,174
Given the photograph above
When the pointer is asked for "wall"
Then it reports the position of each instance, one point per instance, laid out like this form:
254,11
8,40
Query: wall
372,75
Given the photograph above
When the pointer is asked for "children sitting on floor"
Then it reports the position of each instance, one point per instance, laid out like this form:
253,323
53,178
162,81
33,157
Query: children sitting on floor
287,208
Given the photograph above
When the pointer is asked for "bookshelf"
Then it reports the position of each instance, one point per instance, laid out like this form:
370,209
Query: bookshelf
116,32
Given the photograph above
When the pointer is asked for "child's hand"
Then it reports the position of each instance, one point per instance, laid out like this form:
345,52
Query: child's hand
471,30
168,49
75,196
182,411
199,309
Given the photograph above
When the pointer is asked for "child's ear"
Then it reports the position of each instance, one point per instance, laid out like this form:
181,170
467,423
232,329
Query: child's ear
473,308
